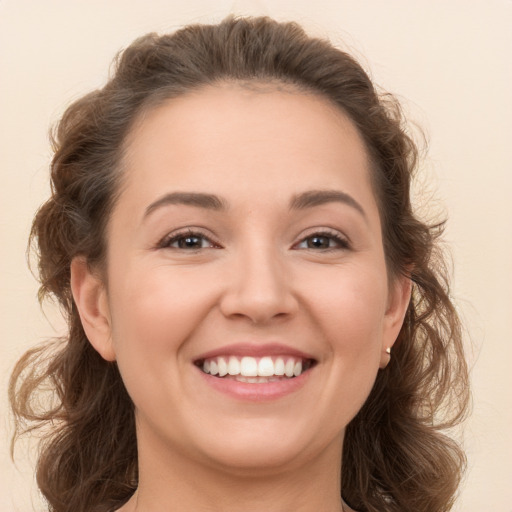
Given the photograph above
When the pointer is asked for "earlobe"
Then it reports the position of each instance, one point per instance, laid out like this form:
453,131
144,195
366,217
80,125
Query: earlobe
90,296
399,298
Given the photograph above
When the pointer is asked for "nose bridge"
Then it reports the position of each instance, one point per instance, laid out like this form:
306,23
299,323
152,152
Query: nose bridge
259,284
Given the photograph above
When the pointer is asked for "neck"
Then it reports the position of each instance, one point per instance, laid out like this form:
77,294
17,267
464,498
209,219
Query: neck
174,482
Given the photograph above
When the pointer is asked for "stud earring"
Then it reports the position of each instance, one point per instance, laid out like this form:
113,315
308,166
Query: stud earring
388,350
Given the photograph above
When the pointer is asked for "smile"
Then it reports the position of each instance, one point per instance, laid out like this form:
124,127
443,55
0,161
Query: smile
255,369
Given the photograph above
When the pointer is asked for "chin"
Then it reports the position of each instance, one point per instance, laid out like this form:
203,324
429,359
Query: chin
265,446
255,459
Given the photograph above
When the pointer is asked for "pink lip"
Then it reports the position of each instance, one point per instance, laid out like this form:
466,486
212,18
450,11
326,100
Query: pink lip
255,350
257,392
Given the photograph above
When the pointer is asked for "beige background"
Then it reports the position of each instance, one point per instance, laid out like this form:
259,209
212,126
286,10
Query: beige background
450,63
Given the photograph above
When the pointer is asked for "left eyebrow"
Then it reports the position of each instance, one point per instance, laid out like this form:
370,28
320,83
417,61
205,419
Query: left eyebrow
313,198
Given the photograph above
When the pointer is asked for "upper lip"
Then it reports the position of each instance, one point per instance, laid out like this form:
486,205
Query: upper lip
255,350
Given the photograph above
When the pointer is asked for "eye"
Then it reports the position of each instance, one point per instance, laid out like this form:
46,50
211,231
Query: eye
188,240
323,241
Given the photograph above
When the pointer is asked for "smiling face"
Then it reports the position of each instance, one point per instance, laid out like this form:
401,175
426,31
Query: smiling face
247,301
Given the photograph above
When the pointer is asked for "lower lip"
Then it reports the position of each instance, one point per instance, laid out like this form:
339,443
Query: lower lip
258,391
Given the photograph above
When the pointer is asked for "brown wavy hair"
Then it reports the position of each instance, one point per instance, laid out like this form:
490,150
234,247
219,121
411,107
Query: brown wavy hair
397,456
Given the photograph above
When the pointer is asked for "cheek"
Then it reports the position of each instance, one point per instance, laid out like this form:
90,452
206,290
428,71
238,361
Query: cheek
350,316
154,312
351,303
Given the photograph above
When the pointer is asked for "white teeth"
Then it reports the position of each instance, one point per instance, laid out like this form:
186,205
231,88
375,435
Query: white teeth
279,366
214,368
288,368
233,366
249,367
266,367
252,369
223,367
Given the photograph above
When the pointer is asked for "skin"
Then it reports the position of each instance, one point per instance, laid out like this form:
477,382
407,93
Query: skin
253,279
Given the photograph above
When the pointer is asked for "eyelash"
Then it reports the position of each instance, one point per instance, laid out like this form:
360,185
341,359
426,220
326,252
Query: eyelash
166,242
341,243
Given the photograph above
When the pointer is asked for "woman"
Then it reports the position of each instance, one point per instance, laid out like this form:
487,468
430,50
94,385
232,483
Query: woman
257,319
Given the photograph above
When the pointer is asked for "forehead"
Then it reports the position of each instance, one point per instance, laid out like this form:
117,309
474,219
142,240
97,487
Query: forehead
250,139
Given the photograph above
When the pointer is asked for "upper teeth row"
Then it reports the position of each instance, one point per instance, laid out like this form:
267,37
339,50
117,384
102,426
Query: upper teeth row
253,367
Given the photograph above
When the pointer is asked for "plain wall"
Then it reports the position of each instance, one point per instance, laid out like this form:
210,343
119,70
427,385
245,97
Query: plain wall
449,61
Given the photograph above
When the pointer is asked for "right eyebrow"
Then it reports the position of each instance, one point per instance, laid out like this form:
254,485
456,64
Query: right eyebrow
198,199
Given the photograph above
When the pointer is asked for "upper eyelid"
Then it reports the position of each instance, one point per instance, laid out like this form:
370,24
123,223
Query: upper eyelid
326,231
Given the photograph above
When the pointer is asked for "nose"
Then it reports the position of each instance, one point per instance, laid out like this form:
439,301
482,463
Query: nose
259,287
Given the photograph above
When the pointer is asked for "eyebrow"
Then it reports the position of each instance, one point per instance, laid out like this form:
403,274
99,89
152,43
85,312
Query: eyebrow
302,201
198,199
313,198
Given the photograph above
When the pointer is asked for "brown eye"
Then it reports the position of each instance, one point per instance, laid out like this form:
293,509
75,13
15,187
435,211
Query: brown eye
187,241
323,241
318,242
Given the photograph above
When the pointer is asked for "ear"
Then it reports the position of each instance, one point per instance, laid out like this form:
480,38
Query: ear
398,302
90,297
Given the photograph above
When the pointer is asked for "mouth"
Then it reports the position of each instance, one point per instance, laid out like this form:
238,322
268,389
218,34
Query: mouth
255,370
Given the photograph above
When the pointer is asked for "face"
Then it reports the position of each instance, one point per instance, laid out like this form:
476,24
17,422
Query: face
246,299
